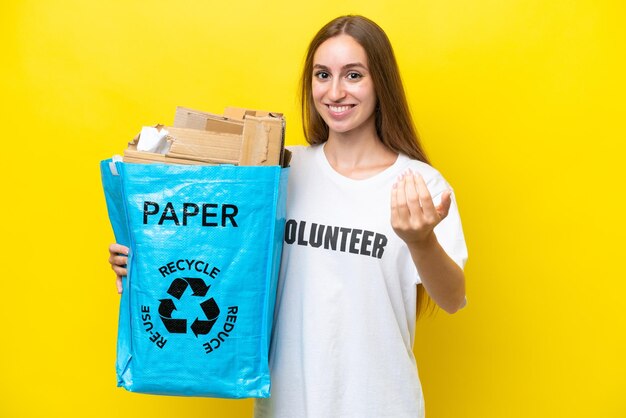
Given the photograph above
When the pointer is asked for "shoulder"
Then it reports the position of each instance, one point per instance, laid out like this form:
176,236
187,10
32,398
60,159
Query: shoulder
297,150
301,153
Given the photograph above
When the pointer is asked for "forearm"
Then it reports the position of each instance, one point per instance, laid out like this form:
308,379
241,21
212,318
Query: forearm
442,278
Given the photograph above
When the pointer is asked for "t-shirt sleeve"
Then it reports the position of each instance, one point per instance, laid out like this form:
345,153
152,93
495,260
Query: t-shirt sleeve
449,233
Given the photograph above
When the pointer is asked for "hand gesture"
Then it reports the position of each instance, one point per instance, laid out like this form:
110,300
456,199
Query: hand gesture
413,213
118,258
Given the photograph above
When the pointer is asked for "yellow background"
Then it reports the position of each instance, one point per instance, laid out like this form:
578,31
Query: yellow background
520,104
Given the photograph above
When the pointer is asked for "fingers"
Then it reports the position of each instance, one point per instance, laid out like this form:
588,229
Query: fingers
120,270
118,249
412,193
401,208
431,214
444,206
413,212
118,264
118,258
426,200
412,196
405,201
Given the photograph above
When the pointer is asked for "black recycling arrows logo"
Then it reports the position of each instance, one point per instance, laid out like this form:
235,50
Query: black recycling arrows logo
179,325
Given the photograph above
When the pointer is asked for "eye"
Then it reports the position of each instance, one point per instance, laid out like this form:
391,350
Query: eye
322,75
353,75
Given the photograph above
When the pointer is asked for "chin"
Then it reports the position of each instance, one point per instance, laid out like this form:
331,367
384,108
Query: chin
346,127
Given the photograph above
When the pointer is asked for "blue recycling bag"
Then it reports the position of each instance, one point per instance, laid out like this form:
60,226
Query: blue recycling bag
197,307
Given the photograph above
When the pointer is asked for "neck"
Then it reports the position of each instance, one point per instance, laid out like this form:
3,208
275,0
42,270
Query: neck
358,155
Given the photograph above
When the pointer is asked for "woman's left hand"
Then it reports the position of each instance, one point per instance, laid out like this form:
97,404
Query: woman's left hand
414,216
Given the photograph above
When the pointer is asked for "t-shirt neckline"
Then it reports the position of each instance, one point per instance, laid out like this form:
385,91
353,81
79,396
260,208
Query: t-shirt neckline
379,177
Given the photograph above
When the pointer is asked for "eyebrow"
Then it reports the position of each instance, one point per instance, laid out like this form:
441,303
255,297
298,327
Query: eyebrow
345,67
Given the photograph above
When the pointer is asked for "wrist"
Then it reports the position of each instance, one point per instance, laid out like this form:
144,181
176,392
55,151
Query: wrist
425,243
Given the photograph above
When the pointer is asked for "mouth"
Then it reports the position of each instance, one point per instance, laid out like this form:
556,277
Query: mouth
339,110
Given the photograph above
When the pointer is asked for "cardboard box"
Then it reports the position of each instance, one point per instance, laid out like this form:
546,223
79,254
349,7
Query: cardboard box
240,137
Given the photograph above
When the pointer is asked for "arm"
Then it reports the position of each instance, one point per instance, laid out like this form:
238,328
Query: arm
413,218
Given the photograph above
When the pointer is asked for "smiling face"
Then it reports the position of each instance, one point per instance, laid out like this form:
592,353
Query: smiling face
342,87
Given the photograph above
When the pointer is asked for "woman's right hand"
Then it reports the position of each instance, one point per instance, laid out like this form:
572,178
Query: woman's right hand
118,258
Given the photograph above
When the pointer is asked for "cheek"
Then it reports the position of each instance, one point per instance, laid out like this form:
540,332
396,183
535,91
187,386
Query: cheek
318,94
317,90
366,93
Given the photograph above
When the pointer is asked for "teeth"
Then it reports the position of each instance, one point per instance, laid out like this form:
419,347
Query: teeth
338,109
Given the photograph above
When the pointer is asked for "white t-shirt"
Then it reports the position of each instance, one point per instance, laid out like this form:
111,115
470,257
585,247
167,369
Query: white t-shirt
342,344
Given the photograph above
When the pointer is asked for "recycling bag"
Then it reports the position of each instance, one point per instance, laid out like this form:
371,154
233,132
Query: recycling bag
197,306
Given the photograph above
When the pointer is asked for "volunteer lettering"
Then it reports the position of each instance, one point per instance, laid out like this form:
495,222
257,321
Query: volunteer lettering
335,238
209,214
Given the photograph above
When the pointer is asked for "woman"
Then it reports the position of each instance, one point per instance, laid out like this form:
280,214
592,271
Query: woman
364,239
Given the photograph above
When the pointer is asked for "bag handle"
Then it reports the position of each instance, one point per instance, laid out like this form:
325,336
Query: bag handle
112,167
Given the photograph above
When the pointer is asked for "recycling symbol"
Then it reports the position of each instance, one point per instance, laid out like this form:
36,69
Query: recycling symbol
179,325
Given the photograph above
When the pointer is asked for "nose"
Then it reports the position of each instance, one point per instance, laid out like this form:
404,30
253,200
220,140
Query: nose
336,91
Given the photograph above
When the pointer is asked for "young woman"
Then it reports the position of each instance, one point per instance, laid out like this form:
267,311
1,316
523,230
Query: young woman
373,233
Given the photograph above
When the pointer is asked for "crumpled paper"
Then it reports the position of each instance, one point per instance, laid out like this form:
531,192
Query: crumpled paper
153,139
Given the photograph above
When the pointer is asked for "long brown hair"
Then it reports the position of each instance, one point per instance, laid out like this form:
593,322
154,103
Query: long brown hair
394,124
